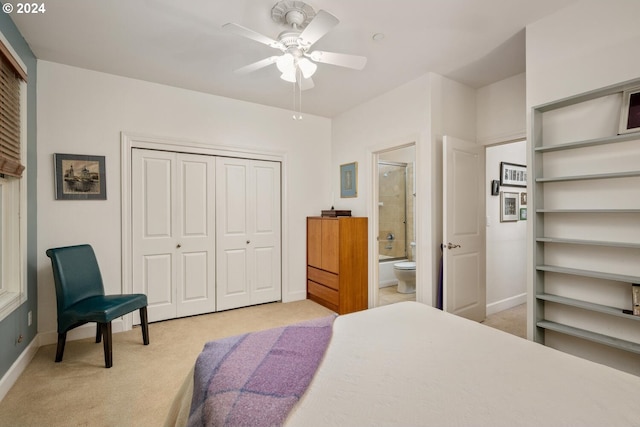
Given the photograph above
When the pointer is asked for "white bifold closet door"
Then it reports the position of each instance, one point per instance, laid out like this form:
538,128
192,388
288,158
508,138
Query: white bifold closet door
248,225
173,226
206,232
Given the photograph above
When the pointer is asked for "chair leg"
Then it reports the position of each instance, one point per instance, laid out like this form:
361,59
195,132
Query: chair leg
106,333
144,323
62,339
98,333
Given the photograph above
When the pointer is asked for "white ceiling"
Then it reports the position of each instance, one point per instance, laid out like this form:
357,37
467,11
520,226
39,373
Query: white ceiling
180,43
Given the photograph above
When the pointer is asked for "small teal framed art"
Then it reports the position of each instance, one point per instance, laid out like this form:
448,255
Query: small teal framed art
349,180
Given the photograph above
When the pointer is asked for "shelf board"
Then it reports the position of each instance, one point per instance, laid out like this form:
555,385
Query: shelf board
613,311
588,143
588,273
612,211
588,242
629,174
591,336
587,96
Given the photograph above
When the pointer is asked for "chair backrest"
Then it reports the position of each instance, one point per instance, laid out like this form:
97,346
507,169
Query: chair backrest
76,274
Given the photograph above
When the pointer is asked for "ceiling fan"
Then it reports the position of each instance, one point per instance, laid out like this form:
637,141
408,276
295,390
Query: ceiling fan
297,63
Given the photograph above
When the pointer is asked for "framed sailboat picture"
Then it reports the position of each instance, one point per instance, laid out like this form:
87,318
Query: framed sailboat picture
79,177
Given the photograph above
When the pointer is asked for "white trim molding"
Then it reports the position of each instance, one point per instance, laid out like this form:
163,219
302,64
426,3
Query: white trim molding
18,367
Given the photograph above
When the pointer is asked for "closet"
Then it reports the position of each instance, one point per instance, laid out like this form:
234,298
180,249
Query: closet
205,232
337,264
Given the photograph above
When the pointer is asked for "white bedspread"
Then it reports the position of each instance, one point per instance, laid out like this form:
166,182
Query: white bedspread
408,364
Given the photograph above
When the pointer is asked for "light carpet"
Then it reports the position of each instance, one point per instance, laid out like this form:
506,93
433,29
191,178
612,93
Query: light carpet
139,388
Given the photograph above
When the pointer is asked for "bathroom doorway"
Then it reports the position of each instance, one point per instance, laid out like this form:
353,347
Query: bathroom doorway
395,184
393,227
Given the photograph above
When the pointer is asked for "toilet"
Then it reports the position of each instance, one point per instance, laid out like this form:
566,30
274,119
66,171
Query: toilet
405,272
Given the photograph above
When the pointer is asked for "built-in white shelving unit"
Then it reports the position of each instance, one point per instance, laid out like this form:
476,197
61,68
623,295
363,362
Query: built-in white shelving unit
585,196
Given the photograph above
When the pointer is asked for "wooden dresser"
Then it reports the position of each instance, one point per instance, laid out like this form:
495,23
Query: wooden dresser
337,263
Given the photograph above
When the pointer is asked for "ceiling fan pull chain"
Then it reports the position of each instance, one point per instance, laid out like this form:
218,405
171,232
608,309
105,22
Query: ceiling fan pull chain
298,82
297,102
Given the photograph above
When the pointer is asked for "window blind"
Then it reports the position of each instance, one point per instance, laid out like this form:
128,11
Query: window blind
11,75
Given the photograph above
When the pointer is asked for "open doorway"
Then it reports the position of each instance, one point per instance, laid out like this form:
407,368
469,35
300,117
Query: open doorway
394,224
506,244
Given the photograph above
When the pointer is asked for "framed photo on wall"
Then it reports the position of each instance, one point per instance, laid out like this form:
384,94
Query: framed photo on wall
79,177
508,206
523,214
349,180
513,175
523,199
630,114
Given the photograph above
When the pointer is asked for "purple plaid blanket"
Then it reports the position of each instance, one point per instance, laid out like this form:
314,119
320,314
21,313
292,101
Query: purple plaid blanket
255,379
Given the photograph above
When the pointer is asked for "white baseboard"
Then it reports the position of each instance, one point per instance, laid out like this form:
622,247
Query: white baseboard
294,296
11,376
46,338
81,332
506,304
387,283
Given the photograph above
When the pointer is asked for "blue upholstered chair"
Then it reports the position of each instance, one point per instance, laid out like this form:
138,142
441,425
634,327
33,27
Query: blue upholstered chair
81,299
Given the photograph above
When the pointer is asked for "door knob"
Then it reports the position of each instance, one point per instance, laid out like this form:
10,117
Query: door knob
453,246
178,246
248,241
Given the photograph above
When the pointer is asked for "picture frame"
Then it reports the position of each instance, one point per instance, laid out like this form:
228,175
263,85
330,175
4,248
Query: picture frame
349,180
630,112
523,199
523,214
513,175
79,177
508,206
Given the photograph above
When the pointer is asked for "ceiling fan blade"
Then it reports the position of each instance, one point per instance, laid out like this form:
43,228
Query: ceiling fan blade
253,35
306,84
340,59
257,65
320,25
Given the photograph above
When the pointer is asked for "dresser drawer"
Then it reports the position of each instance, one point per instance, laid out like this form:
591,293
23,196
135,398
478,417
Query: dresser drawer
322,292
323,277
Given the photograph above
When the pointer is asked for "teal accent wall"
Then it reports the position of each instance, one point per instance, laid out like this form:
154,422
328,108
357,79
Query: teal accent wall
16,323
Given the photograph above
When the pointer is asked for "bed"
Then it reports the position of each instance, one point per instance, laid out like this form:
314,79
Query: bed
409,364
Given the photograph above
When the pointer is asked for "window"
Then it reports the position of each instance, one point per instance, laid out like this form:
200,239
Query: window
13,289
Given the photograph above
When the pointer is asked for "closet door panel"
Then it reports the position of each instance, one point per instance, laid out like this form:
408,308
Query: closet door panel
173,232
233,236
156,274
266,212
248,223
195,247
154,217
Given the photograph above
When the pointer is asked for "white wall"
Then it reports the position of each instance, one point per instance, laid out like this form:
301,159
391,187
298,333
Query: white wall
585,46
506,244
419,112
84,112
501,117
502,111
396,118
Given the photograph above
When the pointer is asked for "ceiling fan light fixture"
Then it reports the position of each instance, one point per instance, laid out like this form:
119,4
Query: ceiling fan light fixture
289,76
307,67
286,63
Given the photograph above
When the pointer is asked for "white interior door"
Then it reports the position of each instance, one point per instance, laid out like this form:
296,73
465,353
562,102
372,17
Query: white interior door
173,225
464,282
248,232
